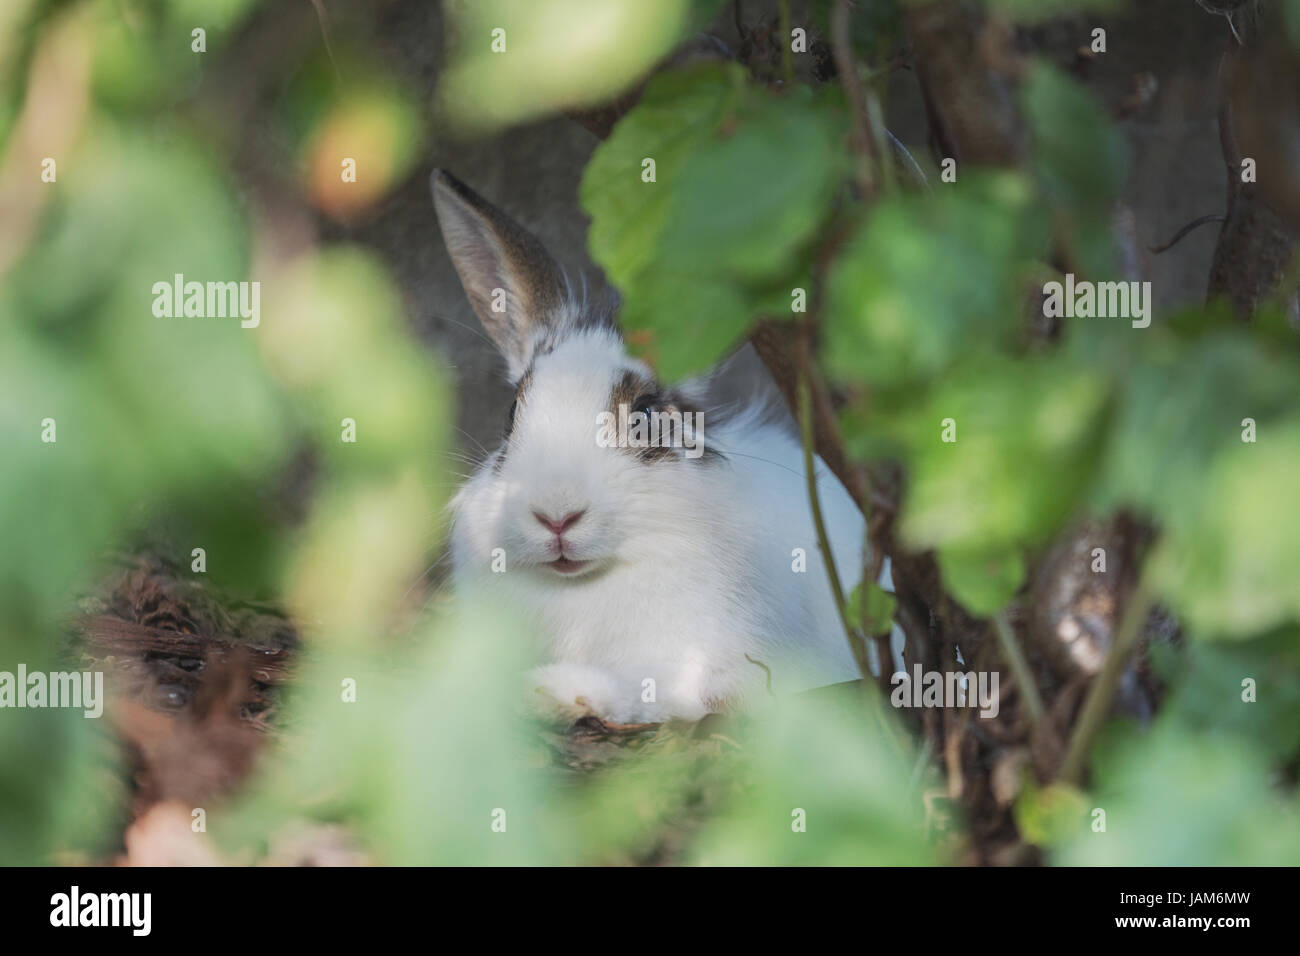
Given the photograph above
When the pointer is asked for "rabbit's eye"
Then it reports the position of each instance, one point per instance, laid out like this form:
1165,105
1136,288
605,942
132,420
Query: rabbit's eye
510,417
646,406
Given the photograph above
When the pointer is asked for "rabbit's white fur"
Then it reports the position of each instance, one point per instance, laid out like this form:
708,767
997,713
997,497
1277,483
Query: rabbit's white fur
700,574
697,559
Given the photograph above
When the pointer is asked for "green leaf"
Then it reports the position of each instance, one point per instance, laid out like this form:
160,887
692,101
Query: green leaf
983,581
824,763
753,193
423,797
1176,798
1051,814
1226,552
930,277
1211,682
1080,159
1179,406
550,56
675,114
743,179
879,611
1027,442
1232,569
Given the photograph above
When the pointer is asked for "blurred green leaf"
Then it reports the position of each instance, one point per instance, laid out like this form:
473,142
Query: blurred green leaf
423,763
879,611
1179,407
982,580
61,783
1027,442
1080,159
1177,798
930,277
1177,454
1232,567
144,55
1210,692
81,345
1051,814
742,181
822,764
550,56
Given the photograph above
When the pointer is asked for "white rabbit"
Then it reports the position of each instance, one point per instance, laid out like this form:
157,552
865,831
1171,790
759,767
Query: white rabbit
655,576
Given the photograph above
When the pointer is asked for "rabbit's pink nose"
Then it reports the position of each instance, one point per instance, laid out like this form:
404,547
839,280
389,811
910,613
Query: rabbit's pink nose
561,526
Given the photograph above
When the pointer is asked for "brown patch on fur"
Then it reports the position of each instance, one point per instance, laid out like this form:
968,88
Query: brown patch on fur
633,390
525,380
521,391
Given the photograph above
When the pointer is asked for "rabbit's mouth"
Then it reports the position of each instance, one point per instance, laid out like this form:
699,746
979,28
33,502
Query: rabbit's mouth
565,565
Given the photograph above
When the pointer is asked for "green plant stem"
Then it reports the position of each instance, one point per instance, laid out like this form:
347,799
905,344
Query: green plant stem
787,55
856,644
864,144
1019,667
870,575
1097,704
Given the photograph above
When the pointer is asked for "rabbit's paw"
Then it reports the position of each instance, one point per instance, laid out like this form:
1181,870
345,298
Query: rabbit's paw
565,693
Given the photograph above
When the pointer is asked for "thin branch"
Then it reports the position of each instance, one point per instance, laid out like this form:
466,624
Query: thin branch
1019,667
857,645
1178,236
1097,704
787,55
802,362
870,576
864,143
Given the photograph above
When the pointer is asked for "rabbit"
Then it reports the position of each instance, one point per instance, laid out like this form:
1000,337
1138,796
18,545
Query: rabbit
664,582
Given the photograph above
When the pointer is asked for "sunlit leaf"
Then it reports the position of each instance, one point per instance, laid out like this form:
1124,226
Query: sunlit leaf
1026,442
929,277
511,61
742,180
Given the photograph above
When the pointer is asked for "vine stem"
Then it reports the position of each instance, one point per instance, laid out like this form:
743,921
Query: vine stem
787,55
864,142
803,373
871,575
1097,704
1019,666
874,697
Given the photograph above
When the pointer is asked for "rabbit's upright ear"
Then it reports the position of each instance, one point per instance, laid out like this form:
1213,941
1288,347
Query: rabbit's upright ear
514,285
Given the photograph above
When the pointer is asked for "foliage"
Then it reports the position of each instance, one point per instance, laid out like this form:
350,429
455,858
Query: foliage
922,321
920,299
738,208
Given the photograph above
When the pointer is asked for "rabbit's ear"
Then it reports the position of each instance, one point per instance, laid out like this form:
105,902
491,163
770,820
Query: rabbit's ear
514,285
